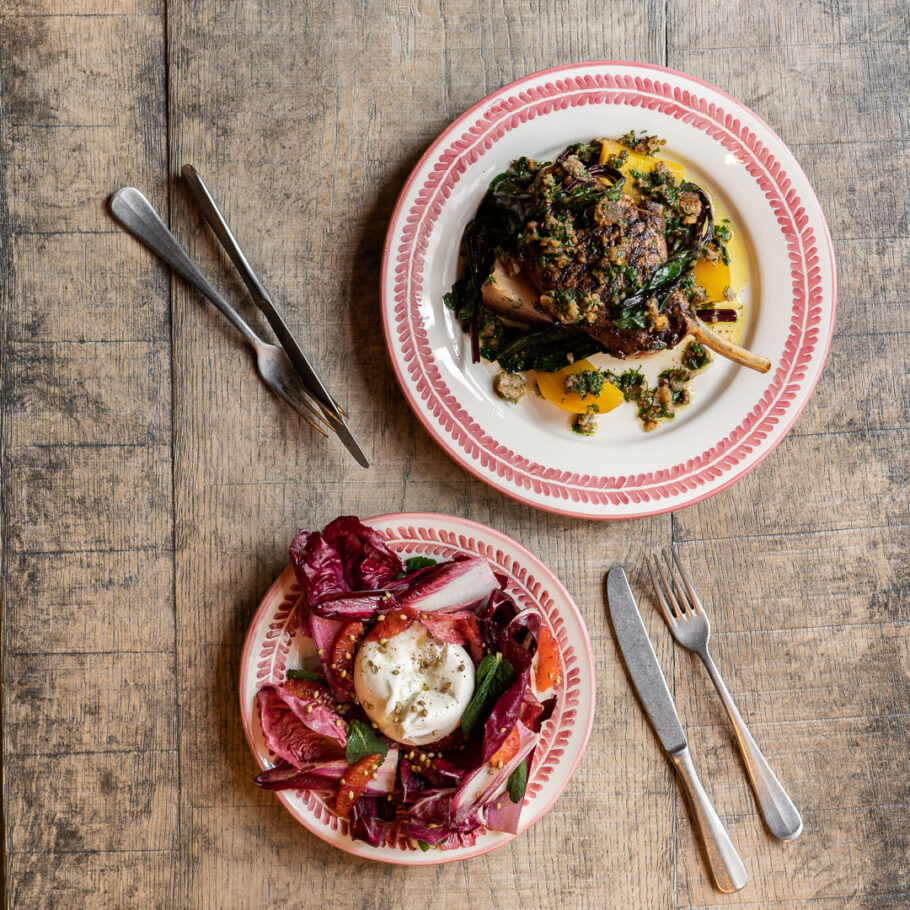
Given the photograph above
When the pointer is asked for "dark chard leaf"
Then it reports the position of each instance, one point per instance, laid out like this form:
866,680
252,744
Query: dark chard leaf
547,350
518,782
461,300
413,563
632,319
362,741
309,675
494,676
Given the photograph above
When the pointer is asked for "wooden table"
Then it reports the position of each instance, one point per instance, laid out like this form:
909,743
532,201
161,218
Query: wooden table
151,483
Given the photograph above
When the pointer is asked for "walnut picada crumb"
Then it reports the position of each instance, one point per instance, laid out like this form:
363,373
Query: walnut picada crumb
658,321
585,424
510,386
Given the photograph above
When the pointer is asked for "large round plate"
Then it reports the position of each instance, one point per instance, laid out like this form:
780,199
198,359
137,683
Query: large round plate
737,416
273,644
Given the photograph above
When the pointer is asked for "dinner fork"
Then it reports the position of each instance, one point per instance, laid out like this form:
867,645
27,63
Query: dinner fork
685,615
136,214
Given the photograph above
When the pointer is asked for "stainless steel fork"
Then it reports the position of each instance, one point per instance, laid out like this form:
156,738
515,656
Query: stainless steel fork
136,214
686,618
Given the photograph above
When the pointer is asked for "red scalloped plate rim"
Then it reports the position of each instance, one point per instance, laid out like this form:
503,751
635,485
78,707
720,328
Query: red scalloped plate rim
451,447
345,843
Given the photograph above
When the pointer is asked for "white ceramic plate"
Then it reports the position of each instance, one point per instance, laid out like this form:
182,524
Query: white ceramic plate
273,644
737,416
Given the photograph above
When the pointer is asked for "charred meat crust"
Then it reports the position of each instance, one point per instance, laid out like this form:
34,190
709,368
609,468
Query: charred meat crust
584,272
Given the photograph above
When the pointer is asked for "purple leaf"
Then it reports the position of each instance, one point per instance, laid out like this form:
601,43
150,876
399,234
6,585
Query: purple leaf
287,737
453,586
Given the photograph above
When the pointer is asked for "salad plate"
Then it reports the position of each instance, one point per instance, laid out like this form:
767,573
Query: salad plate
737,416
274,644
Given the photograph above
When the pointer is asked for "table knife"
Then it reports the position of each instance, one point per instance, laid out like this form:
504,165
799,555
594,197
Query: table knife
726,867
263,300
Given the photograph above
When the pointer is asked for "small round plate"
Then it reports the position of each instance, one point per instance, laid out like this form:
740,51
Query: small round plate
737,416
273,643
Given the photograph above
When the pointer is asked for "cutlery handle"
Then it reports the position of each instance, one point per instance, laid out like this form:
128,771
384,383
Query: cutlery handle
726,867
136,214
777,809
260,295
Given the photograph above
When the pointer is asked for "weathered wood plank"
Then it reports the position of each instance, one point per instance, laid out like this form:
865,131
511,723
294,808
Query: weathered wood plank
860,482
89,703
97,601
99,880
101,801
89,739
58,494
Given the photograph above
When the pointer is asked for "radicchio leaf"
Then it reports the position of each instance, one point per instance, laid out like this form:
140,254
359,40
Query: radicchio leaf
368,562
486,782
325,775
452,587
367,823
505,714
459,628
287,736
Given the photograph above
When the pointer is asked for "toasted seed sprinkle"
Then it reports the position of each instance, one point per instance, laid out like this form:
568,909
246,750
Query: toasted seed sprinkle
502,729
375,725
424,712
350,794
319,651
381,617
389,797
403,617
334,667
461,668
353,637
499,764
383,641
339,722
375,776
394,672
478,794
432,825
309,709
498,805
551,676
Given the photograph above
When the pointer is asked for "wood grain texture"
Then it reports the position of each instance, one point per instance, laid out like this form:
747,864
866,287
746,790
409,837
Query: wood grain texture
151,483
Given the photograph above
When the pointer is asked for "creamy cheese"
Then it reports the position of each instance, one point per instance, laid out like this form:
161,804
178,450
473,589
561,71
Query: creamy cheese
414,687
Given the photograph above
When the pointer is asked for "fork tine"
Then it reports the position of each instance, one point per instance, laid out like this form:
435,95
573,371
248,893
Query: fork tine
664,606
283,395
685,606
680,612
292,393
693,597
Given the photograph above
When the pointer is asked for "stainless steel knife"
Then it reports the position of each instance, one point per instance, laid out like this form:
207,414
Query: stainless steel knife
726,867
312,383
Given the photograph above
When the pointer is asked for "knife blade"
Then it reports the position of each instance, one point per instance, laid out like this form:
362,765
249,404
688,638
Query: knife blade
726,867
261,297
641,662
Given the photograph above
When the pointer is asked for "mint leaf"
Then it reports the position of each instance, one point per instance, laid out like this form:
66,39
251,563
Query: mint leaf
307,674
494,675
423,845
518,782
362,741
413,563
